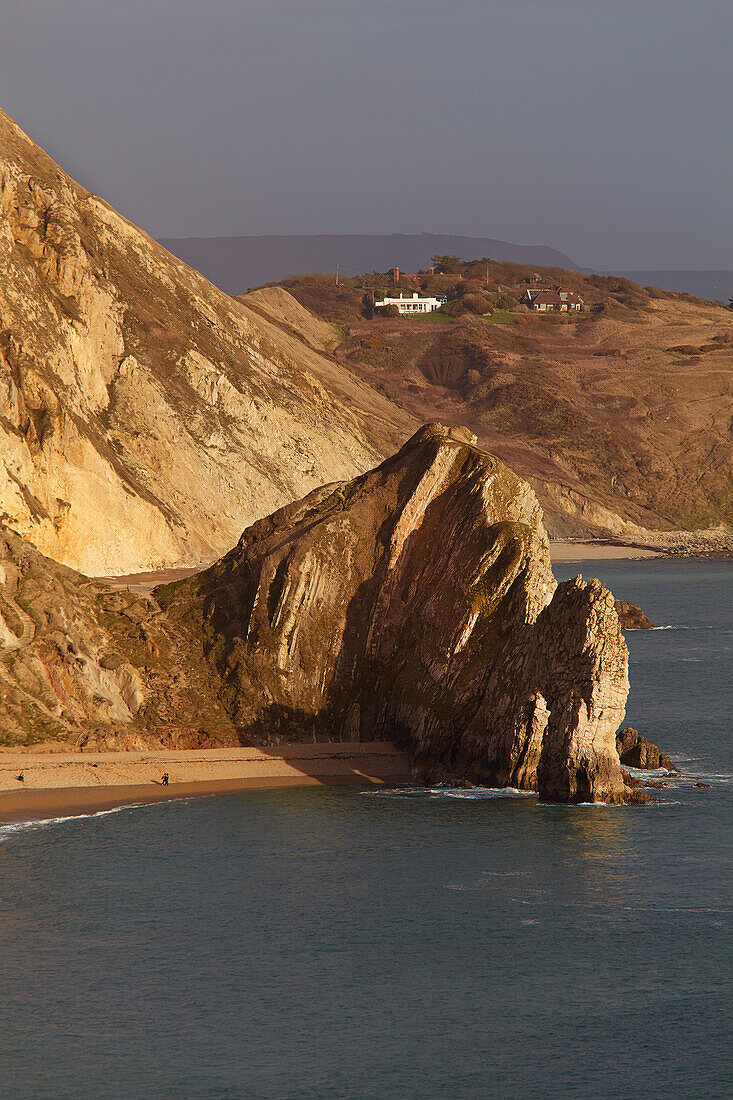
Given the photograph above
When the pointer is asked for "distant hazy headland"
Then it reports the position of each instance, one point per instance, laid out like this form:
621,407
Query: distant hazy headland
235,264
717,286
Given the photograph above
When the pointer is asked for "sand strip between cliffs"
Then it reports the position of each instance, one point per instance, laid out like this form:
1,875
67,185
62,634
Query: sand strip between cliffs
68,784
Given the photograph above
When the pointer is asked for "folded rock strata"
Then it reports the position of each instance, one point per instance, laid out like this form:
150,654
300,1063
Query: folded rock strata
53,671
416,603
85,665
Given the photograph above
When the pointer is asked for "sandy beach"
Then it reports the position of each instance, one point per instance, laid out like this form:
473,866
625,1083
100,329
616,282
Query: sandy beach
597,551
65,784
144,583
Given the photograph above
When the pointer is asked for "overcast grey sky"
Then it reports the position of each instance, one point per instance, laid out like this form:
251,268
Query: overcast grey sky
602,128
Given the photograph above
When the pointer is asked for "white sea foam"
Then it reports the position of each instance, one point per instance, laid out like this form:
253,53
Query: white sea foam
643,773
504,874
690,778
8,830
684,626
449,792
481,792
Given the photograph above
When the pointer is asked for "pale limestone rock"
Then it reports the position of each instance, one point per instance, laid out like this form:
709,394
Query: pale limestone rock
146,417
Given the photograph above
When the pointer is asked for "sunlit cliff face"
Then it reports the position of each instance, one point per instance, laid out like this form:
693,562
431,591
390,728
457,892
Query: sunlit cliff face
145,417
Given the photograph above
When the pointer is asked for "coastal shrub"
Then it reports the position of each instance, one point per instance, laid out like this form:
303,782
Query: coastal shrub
506,301
476,303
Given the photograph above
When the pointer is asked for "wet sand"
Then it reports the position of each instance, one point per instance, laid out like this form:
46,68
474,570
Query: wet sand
68,784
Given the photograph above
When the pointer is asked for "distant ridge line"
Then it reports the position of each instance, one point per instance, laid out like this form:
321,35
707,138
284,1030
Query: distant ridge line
235,264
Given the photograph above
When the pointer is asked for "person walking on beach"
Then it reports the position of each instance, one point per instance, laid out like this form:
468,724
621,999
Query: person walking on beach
164,780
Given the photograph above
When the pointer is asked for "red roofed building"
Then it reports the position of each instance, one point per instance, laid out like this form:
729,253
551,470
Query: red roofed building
397,275
557,300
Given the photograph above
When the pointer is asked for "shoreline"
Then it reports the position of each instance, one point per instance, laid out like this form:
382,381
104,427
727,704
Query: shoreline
76,784
27,807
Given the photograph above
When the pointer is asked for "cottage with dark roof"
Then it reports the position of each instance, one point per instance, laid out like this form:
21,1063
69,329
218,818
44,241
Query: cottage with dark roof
557,301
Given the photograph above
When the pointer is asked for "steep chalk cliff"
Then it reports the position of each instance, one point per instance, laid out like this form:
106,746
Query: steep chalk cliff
146,417
416,603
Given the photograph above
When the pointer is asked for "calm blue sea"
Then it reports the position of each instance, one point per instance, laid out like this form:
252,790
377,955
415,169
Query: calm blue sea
345,943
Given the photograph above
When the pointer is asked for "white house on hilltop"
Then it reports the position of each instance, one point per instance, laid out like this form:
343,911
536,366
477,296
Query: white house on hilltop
415,304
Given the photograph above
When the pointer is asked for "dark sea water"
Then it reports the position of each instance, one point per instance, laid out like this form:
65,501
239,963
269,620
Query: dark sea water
346,943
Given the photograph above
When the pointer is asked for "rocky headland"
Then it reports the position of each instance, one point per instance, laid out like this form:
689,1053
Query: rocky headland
414,604
417,604
146,419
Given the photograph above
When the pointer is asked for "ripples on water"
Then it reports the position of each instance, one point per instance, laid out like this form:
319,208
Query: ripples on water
409,943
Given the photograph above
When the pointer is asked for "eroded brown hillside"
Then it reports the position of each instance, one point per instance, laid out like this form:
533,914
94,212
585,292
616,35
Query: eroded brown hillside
621,419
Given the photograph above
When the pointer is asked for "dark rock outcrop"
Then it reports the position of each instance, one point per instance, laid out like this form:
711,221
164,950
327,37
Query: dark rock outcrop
417,604
636,751
632,617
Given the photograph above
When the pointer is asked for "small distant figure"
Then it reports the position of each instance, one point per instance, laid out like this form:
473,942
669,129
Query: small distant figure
164,780
21,777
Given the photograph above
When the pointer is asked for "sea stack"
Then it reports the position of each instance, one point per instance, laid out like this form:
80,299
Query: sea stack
632,617
417,604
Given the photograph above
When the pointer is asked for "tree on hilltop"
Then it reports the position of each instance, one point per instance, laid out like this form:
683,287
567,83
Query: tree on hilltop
447,265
